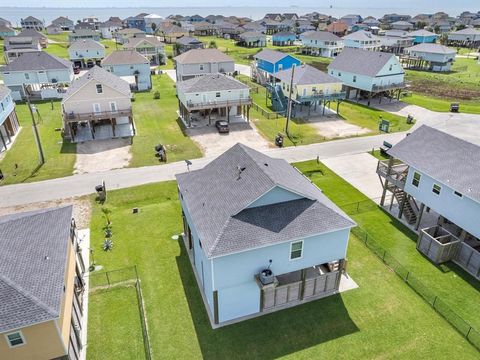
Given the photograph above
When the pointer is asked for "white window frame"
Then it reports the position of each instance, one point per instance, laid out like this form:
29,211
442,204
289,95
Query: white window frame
419,179
114,105
19,332
27,76
301,250
202,67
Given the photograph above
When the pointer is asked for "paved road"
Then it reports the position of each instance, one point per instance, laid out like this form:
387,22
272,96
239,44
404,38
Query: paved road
78,185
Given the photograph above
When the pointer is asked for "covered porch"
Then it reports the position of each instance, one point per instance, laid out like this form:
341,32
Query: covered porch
8,131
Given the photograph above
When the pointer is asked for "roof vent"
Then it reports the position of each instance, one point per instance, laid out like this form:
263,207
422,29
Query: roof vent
240,170
46,258
265,164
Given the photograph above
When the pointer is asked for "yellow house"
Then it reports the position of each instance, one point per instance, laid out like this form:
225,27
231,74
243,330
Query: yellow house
41,286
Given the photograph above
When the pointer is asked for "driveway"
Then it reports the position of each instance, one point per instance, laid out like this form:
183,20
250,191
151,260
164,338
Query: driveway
212,143
172,74
102,155
243,69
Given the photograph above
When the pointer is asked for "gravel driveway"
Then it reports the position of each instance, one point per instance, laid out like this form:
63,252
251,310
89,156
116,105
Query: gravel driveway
102,155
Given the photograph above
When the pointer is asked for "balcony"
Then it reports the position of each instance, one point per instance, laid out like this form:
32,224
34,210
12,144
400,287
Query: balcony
377,88
395,173
92,116
438,244
320,95
218,104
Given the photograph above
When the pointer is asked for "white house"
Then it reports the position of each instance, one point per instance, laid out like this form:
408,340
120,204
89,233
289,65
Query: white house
260,236
203,61
131,66
109,28
149,47
150,20
433,57
368,73
214,94
41,75
362,39
467,36
86,53
321,43
9,125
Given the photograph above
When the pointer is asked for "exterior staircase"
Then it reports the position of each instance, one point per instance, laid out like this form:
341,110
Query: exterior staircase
279,101
408,210
258,76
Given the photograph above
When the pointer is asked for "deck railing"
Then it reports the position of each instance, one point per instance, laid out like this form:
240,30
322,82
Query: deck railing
75,117
320,95
388,87
396,174
218,104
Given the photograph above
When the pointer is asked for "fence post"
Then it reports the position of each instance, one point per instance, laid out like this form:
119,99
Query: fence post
108,279
136,273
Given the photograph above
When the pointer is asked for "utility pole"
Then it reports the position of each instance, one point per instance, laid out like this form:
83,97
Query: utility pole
34,127
289,106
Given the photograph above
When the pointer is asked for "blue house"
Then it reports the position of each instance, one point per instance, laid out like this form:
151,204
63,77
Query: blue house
131,66
9,125
137,22
423,36
283,38
268,62
433,179
260,236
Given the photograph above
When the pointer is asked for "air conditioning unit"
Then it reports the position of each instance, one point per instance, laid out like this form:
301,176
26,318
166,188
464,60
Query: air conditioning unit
266,276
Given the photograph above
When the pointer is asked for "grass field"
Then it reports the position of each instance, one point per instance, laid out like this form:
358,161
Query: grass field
442,105
458,289
381,319
59,156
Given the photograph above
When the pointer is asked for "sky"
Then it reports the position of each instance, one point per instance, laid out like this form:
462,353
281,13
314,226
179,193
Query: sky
405,4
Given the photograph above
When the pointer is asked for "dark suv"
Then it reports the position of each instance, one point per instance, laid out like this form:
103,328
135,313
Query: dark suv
222,126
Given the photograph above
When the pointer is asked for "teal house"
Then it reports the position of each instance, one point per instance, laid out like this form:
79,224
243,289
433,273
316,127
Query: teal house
284,38
5,31
268,62
423,36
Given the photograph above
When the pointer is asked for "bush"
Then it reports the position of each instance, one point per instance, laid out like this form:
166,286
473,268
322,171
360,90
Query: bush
156,95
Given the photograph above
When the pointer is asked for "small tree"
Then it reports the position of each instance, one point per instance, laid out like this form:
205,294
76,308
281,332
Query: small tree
154,28
212,45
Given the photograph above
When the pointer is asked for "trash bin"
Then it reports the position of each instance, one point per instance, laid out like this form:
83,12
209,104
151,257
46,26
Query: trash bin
279,140
100,189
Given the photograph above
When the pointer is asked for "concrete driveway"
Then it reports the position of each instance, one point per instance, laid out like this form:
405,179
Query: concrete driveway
172,74
243,69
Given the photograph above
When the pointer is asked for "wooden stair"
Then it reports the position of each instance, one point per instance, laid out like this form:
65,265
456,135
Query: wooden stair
408,210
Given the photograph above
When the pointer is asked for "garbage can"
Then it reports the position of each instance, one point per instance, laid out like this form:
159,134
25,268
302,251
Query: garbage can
100,189
279,140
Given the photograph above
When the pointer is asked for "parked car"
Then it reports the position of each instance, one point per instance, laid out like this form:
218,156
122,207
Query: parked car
222,126
76,70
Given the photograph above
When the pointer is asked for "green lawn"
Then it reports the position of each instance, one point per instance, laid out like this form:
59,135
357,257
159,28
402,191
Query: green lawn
442,105
458,289
121,338
156,122
381,319
59,156
2,55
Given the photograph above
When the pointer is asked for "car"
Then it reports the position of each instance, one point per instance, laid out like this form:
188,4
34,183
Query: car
76,70
222,126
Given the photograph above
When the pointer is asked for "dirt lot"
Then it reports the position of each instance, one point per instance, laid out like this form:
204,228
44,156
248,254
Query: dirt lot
333,127
213,143
102,155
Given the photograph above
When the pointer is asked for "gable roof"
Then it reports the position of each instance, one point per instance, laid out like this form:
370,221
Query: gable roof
198,56
135,41
361,35
320,35
31,33
466,31
211,82
306,75
4,91
84,44
187,40
122,57
446,158
33,257
432,48
361,62
217,199
37,60
31,18
99,75
272,56
422,32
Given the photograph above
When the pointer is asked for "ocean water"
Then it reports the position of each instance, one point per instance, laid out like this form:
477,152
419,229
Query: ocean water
14,14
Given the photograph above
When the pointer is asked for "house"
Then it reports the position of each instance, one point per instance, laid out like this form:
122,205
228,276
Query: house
43,307
230,31
97,106
362,40
290,16
427,56
433,178
187,43
337,28
9,125
122,36
368,73
83,35
268,62
251,39
351,19
131,66
309,87
203,61
396,44
5,31
186,27
442,26
205,29
321,43
15,46
149,47
31,22
217,95
137,22
302,26
86,53
267,216
5,22
53,29
371,21
402,25
108,28
38,74
423,36
170,33
84,26
195,18
255,26
92,20
466,37
152,22
283,38
42,39
274,17
63,23
391,18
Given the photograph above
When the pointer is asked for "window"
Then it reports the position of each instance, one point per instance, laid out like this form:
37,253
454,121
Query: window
217,94
296,250
15,339
416,179
99,88
354,78
27,76
202,67
436,189
458,194
113,106
339,74
200,243
97,108
390,68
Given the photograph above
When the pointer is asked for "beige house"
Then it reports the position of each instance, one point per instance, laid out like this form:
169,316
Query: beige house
41,293
97,106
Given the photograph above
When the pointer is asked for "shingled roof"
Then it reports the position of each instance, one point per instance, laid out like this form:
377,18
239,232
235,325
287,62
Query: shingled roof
452,161
84,44
306,75
218,196
37,60
361,62
4,91
431,48
361,35
211,82
272,56
199,56
122,57
33,256
320,35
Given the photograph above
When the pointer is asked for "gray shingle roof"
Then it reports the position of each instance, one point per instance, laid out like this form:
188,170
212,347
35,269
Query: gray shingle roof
361,35
33,255
211,82
102,76
84,44
422,32
361,62
320,35
217,200
306,75
466,31
199,56
84,32
37,60
4,91
446,158
187,40
272,56
135,41
432,48
121,57
252,34
32,33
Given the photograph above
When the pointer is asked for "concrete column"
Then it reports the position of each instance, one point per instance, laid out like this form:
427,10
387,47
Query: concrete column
419,218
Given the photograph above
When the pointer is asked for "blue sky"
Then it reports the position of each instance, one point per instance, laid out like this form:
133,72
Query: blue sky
405,4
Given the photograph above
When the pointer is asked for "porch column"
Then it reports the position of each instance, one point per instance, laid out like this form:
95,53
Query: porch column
402,205
419,218
3,140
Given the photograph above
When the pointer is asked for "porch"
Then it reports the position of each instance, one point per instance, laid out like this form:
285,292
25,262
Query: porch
8,131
